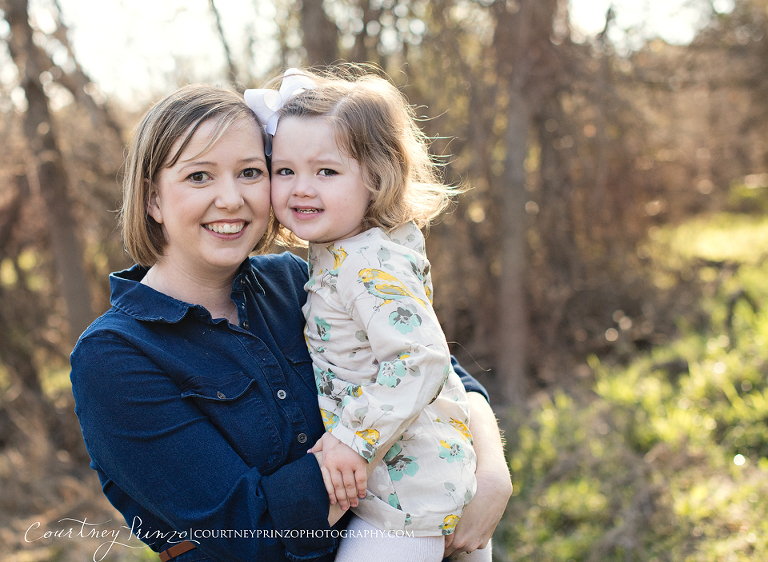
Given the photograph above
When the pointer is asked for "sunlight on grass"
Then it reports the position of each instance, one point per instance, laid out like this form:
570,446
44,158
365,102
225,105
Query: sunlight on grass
722,237
672,454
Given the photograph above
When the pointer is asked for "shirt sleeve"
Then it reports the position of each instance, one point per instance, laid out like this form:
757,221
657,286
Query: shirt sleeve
471,384
391,305
165,455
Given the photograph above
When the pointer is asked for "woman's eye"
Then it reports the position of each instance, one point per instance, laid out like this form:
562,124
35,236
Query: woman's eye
198,177
327,172
252,173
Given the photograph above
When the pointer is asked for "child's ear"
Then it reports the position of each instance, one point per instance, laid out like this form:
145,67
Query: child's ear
153,208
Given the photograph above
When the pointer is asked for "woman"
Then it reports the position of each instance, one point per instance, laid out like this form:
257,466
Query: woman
195,391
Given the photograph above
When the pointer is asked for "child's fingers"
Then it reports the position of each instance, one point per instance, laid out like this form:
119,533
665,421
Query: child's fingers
361,481
350,488
339,490
328,484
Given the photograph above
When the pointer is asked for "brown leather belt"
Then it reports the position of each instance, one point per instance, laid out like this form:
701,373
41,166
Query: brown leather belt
176,550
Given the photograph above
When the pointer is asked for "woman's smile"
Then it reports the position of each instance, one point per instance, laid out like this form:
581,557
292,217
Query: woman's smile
226,228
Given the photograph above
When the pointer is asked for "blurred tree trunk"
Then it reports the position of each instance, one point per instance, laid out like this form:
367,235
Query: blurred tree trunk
15,351
364,48
512,320
232,69
521,40
51,174
320,34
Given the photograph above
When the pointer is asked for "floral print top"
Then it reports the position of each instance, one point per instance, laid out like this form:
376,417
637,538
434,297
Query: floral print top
382,369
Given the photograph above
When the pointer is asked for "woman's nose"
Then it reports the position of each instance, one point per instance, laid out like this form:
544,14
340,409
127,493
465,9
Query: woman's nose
229,196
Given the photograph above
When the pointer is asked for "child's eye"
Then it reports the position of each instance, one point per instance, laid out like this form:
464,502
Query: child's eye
252,173
284,172
198,177
327,172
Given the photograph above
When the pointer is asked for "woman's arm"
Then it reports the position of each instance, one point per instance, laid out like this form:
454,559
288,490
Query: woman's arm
157,450
494,486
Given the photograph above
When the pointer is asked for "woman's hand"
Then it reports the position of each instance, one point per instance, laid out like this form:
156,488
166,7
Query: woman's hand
494,486
481,516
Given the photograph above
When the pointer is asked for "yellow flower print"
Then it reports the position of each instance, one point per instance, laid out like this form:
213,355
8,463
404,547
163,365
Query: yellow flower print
369,435
462,428
449,524
330,420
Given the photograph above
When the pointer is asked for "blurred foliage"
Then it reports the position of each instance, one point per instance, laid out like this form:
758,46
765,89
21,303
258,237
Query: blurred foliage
666,458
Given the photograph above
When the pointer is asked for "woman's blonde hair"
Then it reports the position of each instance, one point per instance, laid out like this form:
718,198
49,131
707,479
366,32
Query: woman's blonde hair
375,125
173,119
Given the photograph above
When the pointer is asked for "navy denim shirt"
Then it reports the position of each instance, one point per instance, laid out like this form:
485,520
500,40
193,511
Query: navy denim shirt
198,428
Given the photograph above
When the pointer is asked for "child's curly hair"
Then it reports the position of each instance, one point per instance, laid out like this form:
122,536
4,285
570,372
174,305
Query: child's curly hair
375,125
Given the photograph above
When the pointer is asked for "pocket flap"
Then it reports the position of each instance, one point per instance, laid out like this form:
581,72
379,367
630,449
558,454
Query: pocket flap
222,389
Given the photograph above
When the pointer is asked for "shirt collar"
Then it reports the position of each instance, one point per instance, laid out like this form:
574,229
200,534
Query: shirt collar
142,302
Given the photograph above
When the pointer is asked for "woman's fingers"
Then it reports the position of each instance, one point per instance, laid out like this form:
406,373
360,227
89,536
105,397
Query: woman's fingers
329,487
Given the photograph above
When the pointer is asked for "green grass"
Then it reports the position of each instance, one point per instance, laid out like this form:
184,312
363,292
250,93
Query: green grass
657,464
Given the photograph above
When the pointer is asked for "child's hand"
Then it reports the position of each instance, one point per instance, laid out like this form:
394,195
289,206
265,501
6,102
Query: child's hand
344,471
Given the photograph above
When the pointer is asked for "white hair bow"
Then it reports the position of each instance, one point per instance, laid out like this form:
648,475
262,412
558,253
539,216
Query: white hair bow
266,103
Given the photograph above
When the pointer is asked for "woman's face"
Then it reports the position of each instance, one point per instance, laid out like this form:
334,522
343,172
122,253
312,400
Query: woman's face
214,205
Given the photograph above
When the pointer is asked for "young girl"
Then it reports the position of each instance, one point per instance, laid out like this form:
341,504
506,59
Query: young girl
351,174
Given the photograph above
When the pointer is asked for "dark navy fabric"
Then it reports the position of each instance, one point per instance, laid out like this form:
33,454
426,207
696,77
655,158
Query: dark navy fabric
198,428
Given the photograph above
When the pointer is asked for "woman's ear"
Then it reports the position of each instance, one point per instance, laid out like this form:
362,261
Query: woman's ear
153,208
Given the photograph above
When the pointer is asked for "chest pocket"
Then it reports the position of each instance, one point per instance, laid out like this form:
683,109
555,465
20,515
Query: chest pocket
297,355
243,415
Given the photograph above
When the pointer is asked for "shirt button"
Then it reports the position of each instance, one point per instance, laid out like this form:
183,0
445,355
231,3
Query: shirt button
220,395
245,325
281,394
301,437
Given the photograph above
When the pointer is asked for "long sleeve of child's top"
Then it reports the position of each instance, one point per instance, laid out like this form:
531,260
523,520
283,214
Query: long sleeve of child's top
382,369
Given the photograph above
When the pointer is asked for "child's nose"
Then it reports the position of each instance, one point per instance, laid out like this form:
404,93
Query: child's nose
303,187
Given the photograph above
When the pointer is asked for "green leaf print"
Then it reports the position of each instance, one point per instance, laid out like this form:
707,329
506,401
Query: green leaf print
323,328
384,254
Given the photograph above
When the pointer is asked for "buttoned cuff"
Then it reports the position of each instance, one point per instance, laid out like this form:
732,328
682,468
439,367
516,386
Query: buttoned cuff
298,505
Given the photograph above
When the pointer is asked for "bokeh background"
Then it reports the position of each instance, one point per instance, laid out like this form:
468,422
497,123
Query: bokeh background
604,277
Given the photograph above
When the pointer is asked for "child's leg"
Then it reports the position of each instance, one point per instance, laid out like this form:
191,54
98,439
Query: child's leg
366,543
479,555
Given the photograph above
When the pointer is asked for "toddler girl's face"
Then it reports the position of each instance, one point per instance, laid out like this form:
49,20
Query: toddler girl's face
317,190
